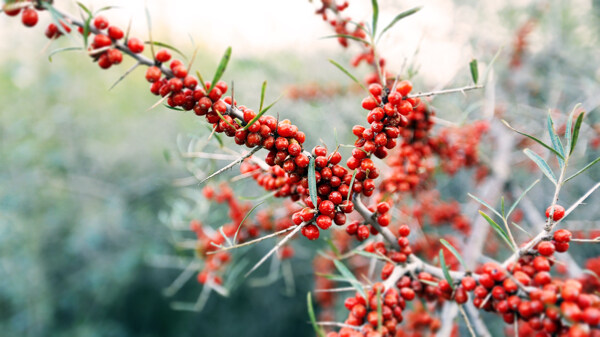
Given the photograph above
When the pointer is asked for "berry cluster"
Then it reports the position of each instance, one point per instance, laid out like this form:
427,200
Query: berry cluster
387,115
333,192
28,10
364,313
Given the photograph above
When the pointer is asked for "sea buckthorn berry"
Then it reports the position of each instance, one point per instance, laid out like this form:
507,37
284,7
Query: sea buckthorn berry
311,232
369,103
104,62
559,212
461,296
407,293
10,12
375,89
404,230
468,283
561,247
404,87
163,55
182,72
326,207
52,31
562,235
115,33
323,221
101,22
591,316
115,56
135,45
101,40
362,233
541,263
546,248
383,207
29,17
190,82
384,220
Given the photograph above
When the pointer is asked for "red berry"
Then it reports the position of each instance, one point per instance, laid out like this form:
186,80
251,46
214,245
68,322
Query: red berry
369,103
101,22
362,233
10,12
311,232
101,40
326,207
591,316
115,33
468,283
404,87
135,45
323,221
562,235
115,56
559,212
163,55
383,207
546,248
29,17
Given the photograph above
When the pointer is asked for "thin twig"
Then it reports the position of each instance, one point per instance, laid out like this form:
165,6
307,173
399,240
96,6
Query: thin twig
274,249
445,91
464,315
232,164
248,243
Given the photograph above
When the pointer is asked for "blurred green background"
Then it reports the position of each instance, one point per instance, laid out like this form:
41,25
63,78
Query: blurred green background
86,174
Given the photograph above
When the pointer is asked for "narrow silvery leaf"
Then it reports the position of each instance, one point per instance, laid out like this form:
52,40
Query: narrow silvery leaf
541,163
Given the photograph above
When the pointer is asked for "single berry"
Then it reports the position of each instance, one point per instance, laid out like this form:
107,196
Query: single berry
135,45
559,212
29,17
101,22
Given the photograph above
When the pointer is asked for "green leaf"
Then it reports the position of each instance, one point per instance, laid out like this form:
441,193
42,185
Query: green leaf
541,163
375,16
512,208
455,253
521,229
167,155
261,112
220,69
202,83
398,18
474,70
56,17
445,268
334,249
105,8
244,219
576,132
370,255
556,144
223,119
339,66
583,169
85,9
535,139
485,204
311,314
502,206
351,185
312,181
60,50
172,107
497,228
349,277
346,36
262,95
568,132
164,45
